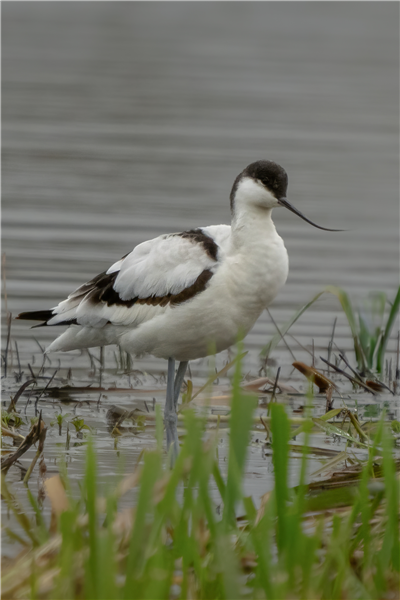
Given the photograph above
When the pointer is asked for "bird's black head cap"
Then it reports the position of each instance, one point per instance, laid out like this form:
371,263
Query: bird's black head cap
271,175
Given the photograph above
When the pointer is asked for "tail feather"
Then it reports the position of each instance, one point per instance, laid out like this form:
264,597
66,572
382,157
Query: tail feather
45,316
38,315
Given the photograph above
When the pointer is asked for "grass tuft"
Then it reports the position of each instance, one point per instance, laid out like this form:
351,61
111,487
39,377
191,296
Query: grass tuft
368,327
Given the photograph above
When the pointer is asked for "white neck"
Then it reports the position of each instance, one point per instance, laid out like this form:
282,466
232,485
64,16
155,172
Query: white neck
257,256
250,224
251,207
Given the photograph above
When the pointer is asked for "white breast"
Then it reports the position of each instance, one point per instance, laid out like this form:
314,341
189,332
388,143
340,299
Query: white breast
247,280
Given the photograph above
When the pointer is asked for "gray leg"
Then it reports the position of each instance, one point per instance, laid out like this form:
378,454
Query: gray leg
174,385
170,418
180,374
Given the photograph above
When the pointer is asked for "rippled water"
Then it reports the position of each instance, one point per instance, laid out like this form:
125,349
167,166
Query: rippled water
122,121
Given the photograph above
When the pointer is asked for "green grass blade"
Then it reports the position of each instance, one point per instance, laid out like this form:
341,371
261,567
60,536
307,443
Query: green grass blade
365,338
371,324
280,438
158,575
70,546
344,300
91,580
378,304
304,426
333,430
262,534
138,548
331,499
241,420
42,532
107,571
394,311
220,483
390,551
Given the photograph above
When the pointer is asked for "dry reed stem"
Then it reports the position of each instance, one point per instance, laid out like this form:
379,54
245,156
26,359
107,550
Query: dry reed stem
33,436
42,437
14,400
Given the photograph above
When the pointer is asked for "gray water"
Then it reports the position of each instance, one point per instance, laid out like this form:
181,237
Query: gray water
122,121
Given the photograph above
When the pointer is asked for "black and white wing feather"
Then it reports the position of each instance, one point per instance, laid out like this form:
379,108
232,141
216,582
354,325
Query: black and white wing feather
161,272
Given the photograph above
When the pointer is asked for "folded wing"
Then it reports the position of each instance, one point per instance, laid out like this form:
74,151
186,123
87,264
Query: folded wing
161,272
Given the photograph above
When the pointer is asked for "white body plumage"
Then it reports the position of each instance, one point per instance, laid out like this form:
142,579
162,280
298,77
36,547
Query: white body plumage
251,267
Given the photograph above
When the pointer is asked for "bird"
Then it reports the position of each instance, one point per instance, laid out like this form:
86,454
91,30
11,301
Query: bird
184,296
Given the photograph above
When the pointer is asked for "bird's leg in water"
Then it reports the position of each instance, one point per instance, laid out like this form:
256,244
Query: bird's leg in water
170,418
180,374
174,385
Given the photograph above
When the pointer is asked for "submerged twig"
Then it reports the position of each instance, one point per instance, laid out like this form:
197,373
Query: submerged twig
300,344
119,422
346,362
44,389
14,400
374,385
275,384
42,437
19,374
32,437
360,383
42,350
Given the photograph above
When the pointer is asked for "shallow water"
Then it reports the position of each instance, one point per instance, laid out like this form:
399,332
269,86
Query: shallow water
122,121
119,453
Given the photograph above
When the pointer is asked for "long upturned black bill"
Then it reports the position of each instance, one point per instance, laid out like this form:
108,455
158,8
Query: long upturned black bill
286,203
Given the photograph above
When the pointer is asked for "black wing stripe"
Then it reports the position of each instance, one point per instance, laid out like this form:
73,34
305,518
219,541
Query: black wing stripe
199,237
104,292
